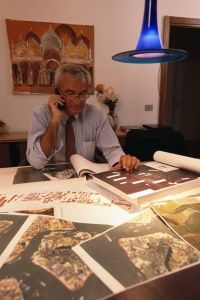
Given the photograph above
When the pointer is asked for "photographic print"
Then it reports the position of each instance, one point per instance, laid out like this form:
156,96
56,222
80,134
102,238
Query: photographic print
9,226
43,266
37,49
41,211
183,216
62,171
139,250
49,172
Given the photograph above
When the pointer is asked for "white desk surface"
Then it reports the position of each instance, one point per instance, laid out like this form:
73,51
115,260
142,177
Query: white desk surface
7,176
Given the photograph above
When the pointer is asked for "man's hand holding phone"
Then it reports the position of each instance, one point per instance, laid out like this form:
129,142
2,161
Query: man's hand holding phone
57,105
60,106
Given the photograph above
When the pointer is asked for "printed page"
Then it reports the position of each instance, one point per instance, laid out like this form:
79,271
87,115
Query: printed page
183,216
59,171
179,161
145,247
9,226
114,198
23,222
96,213
84,166
62,174
34,196
27,174
40,256
159,166
7,176
71,200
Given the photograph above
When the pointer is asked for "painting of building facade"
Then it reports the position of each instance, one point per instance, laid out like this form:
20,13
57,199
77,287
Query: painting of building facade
37,49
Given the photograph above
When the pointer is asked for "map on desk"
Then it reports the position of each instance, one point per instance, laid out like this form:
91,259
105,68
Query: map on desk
140,250
36,259
183,216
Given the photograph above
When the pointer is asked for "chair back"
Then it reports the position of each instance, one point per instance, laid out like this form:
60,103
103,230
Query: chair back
143,144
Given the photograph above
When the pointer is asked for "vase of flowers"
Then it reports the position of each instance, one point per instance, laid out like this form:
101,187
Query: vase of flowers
108,97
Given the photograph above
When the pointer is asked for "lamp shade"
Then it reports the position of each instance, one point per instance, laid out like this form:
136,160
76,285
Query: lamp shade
149,48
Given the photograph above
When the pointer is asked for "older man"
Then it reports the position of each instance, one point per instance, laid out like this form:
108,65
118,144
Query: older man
48,140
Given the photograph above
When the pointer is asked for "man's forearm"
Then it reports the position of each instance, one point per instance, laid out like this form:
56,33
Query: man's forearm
48,139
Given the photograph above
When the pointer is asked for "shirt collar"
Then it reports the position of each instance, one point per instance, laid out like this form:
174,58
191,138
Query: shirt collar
66,117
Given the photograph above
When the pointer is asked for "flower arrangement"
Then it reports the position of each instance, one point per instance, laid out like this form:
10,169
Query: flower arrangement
106,96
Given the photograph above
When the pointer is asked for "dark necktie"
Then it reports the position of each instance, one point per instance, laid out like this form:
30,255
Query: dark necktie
69,139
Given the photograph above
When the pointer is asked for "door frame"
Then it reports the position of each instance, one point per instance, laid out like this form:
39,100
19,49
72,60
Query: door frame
170,21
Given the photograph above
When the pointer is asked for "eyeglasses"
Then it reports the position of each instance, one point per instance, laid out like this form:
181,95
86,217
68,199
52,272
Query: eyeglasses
72,95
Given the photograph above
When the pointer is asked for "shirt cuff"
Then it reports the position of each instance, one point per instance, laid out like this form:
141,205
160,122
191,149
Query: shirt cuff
36,156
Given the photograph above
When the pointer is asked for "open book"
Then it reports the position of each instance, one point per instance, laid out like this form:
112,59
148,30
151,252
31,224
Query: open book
78,167
83,166
168,174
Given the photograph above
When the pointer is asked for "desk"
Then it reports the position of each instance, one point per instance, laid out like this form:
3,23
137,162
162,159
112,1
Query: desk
181,285
12,148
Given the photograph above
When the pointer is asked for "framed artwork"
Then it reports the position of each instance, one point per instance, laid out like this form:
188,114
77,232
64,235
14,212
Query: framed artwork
37,49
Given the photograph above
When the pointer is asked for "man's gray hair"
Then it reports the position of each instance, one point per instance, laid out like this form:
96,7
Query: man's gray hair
75,71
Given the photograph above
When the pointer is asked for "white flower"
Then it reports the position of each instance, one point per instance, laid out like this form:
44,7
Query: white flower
110,93
106,96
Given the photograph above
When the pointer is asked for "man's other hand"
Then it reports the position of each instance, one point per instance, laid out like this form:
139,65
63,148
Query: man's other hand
127,162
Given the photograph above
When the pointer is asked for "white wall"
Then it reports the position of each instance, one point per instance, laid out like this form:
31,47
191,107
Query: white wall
117,27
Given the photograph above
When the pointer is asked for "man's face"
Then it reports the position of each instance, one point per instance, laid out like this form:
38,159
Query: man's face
75,93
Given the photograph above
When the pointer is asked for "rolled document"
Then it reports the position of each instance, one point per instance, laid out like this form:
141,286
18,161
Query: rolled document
179,161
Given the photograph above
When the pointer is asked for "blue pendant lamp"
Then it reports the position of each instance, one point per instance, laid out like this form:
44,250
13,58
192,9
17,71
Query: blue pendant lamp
149,48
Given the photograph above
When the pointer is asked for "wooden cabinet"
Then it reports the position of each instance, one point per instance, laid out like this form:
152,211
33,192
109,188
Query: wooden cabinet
12,148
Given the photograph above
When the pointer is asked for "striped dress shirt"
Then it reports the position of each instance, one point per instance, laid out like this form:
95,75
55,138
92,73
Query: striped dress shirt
91,128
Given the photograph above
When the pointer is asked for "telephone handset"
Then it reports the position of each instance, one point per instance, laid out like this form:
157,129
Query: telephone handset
59,106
